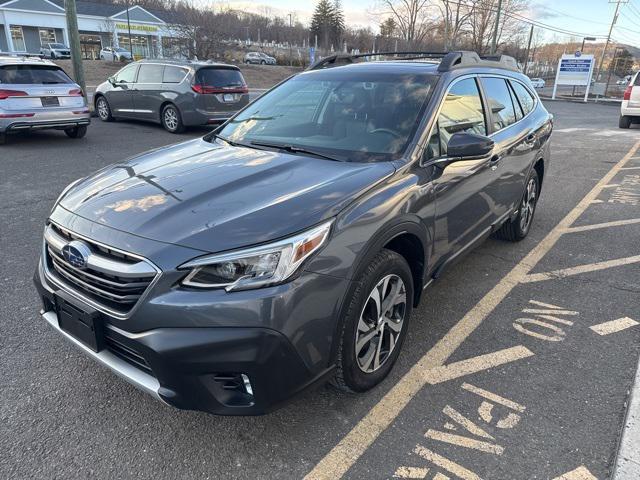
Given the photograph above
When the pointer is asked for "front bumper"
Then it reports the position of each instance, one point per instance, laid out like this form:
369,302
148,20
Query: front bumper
202,367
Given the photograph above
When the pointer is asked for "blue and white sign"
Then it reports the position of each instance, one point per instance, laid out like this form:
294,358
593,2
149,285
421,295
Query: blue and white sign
575,70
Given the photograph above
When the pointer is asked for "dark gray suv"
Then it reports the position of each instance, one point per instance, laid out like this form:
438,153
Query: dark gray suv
175,94
289,247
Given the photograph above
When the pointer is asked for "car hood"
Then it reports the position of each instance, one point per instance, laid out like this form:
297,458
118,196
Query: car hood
215,197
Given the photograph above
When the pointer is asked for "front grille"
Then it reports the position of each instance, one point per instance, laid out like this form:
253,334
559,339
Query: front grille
111,279
125,352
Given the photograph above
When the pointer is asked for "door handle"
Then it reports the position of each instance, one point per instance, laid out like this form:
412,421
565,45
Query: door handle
494,161
531,138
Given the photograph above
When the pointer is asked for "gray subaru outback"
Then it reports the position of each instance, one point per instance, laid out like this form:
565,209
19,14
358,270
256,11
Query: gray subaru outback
289,247
175,94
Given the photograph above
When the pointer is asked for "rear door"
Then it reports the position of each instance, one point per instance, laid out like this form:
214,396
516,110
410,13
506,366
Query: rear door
220,90
464,210
514,138
120,96
147,91
35,88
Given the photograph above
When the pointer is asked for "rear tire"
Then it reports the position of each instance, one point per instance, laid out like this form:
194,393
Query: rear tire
518,228
625,121
171,119
76,132
370,341
53,56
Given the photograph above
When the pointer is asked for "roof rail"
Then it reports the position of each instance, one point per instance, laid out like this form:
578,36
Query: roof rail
21,55
448,60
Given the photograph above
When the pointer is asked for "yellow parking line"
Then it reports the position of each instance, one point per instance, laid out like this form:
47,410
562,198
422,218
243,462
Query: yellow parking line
336,463
614,326
596,226
580,473
590,267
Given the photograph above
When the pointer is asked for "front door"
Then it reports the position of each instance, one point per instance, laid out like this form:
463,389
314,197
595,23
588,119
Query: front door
464,209
147,91
120,97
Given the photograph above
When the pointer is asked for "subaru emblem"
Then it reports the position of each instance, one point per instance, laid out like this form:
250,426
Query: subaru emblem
76,253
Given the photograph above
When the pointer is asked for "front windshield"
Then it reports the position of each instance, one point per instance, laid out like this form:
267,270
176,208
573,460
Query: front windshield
356,114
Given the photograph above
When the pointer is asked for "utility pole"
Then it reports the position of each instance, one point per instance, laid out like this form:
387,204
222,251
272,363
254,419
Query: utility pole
290,32
74,43
606,44
526,60
446,25
494,40
129,29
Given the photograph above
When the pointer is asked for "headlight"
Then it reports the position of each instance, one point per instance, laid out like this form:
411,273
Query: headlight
257,266
65,191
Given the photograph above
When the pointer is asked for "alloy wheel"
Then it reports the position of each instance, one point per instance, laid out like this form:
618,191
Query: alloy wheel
103,109
528,205
171,118
380,323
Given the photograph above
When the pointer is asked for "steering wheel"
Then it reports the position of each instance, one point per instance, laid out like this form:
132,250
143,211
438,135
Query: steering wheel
386,130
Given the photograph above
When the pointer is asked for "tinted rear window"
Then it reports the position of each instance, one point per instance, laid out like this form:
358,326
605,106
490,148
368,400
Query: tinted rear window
27,74
219,77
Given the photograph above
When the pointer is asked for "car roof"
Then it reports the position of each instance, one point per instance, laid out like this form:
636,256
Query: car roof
8,59
188,63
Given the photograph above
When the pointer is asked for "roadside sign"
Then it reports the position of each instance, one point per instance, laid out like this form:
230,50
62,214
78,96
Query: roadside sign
574,70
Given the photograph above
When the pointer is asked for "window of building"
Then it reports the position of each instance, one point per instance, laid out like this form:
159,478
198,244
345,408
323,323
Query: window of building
149,73
461,112
47,35
17,38
499,99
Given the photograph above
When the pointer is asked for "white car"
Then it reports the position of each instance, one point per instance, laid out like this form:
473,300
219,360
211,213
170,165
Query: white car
630,108
115,54
622,81
537,83
55,50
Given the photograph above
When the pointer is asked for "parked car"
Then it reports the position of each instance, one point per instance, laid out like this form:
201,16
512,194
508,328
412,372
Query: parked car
37,94
173,93
630,107
259,58
55,50
537,82
290,246
622,81
115,54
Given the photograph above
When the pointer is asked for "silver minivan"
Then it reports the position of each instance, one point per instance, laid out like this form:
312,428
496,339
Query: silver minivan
175,94
37,94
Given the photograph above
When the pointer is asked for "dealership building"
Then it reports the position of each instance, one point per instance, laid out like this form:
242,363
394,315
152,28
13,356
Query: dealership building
27,24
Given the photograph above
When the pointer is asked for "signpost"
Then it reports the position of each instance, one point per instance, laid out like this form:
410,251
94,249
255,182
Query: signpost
576,70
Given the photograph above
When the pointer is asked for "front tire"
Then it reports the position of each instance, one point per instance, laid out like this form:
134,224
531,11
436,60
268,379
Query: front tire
375,324
518,228
171,119
625,121
76,132
103,109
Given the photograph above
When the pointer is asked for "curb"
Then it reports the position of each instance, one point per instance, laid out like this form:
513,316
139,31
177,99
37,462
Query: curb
627,466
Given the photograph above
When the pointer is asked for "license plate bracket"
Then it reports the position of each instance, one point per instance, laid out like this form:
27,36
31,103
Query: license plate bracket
83,324
50,101
229,97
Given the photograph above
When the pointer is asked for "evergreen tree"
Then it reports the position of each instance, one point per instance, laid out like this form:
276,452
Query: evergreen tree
323,23
338,26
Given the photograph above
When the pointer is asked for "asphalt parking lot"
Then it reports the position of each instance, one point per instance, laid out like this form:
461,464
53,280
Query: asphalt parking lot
517,365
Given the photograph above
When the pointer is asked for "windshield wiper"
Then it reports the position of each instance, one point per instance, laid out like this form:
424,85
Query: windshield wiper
294,149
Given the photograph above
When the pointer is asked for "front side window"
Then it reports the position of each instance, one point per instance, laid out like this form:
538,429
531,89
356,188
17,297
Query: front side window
500,103
126,75
358,114
150,73
461,111
47,35
17,38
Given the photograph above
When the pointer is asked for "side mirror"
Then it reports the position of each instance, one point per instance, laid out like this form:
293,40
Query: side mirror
112,81
467,146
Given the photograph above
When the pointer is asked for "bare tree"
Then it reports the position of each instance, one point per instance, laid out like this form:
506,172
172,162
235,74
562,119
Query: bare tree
412,17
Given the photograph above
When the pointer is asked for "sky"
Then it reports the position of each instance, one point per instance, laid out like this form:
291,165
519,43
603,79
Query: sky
584,17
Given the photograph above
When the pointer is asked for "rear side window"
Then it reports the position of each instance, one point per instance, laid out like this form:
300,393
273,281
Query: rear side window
33,74
501,107
219,77
461,112
173,74
150,73
524,97
637,82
